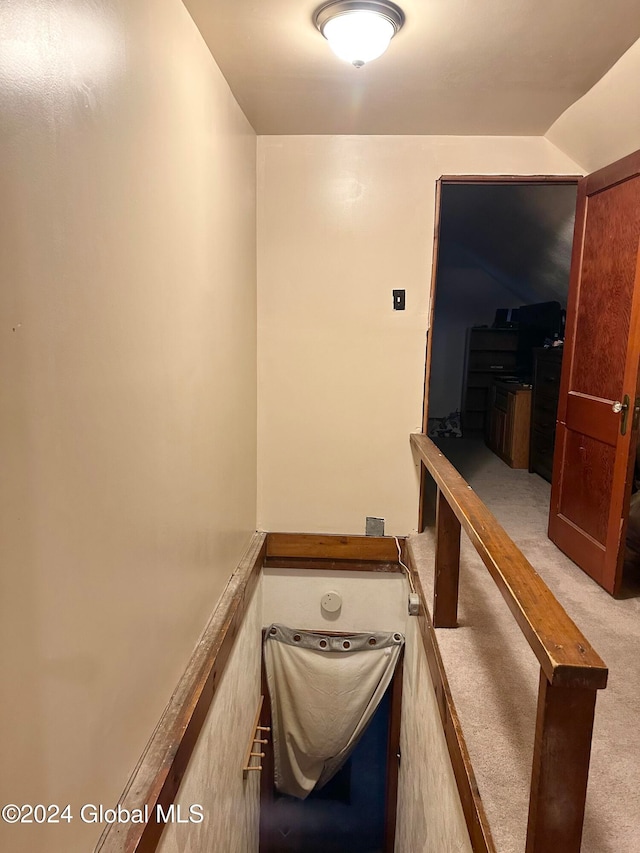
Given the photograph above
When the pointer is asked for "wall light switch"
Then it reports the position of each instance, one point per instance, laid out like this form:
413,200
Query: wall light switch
398,300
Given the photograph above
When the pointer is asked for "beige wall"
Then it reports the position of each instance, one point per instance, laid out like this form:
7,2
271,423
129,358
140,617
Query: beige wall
371,601
229,802
127,380
604,125
430,817
341,222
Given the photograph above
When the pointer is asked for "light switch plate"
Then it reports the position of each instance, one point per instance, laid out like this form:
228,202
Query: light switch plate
398,300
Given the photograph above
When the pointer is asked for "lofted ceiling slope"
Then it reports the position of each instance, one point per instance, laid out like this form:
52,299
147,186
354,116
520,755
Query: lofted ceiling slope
519,234
497,68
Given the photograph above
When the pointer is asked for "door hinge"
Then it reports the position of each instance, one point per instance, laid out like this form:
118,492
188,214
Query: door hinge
624,408
636,414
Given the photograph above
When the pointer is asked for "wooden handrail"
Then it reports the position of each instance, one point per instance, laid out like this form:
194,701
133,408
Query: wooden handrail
565,655
570,670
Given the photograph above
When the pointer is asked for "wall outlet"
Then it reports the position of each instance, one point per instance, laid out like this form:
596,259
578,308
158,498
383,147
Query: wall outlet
374,526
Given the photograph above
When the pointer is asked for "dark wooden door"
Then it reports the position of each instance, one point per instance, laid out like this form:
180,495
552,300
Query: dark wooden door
593,460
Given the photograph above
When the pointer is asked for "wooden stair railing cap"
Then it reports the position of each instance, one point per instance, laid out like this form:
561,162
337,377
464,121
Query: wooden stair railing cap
565,655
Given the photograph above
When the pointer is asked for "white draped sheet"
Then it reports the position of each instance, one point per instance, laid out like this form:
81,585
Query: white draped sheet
324,691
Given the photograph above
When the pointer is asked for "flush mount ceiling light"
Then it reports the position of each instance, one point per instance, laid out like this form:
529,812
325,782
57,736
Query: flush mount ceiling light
359,30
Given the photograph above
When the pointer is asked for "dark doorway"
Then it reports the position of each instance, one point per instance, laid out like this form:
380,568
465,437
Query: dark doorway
499,291
502,246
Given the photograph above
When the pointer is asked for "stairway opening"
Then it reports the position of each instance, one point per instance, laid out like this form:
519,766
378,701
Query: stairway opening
356,809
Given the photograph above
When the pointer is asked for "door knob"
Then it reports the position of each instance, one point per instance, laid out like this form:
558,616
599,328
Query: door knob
618,406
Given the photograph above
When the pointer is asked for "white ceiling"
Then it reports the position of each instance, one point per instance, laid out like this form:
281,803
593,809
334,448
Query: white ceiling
497,67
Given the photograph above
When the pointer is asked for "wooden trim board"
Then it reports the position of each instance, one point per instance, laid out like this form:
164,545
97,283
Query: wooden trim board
156,779
316,546
511,179
472,806
320,564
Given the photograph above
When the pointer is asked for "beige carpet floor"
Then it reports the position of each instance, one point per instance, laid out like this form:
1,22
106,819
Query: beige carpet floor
494,675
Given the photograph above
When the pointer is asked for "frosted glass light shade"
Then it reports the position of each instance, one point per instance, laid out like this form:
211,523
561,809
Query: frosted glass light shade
358,37
359,30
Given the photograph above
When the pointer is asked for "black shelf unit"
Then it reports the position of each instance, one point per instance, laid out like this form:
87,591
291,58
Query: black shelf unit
489,353
546,391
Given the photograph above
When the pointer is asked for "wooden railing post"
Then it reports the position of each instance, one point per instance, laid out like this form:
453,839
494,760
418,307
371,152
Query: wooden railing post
447,567
561,752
